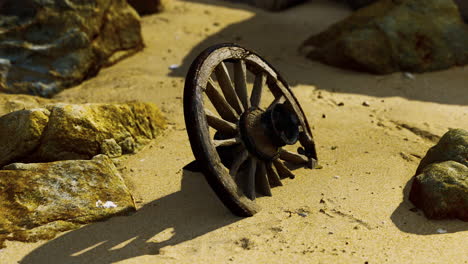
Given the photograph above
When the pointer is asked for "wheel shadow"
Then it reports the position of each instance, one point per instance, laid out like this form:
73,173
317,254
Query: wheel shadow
411,220
277,37
168,221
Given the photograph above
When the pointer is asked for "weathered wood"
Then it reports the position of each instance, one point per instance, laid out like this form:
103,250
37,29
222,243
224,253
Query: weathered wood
250,187
240,82
221,125
257,90
238,162
261,180
221,105
282,170
226,98
292,157
225,142
225,83
273,177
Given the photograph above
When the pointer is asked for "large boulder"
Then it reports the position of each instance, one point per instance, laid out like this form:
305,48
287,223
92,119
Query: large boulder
46,46
395,35
68,131
462,6
145,7
38,200
440,187
274,5
356,4
452,146
21,132
14,102
441,190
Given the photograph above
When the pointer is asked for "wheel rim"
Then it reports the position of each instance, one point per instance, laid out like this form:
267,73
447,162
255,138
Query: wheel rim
219,76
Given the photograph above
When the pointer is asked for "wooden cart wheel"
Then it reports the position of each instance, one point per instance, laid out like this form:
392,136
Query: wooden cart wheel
240,133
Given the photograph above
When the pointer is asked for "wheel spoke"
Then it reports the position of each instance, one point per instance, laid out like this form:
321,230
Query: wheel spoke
240,82
221,105
277,100
250,186
225,142
282,170
238,162
273,177
261,180
292,157
221,125
224,81
259,83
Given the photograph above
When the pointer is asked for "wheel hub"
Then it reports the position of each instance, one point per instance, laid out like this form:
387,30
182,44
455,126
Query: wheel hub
265,132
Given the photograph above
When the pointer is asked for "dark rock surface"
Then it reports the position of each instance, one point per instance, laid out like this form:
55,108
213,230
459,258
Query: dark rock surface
452,146
440,187
47,46
462,6
41,199
390,36
441,190
275,5
145,7
356,4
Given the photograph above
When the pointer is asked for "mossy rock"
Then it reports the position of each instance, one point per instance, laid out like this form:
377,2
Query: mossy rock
452,146
440,187
441,190
69,131
395,35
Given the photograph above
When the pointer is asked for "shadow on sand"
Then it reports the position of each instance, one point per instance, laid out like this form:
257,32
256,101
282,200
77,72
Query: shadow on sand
278,36
411,220
168,221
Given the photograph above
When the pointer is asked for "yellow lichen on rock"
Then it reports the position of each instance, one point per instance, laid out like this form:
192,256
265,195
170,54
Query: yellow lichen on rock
20,133
76,131
38,200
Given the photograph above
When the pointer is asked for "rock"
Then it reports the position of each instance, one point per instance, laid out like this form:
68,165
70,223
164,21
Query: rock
41,199
15,102
463,8
441,190
110,148
145,7
128,145
395,35
356,4
67,131
47,46
461,4
20,133
275,5
452,146
440,187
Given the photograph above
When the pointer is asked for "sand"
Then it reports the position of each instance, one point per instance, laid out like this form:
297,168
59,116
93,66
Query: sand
353,210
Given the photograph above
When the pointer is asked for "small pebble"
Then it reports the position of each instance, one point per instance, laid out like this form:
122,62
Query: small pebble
408,75
441,231
340,104
365,103
107,204
174,66
336,177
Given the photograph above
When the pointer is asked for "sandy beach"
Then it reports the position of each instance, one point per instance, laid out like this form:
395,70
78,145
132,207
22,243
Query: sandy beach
353,210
